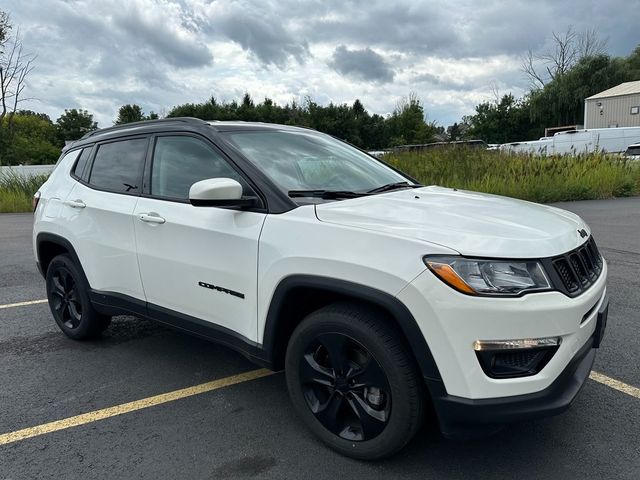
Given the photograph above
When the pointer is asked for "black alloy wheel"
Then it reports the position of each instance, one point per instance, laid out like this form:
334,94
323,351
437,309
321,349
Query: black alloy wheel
66,301
353,380
68,295
345,387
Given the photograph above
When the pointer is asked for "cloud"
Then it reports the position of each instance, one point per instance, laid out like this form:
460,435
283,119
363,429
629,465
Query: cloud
403,26
168,40
362,64
257,31
98,54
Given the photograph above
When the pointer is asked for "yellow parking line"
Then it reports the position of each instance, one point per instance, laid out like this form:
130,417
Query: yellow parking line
96,415
23,304
615,384
143,403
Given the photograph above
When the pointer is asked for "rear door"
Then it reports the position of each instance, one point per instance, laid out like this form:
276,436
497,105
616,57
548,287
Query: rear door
196,263
99,216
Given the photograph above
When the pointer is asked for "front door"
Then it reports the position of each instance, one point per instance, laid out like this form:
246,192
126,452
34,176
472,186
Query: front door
196,261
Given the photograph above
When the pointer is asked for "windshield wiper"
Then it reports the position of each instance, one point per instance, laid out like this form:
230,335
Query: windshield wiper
327,194
393,186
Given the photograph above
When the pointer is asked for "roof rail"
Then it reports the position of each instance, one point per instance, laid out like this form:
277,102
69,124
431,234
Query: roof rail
123,126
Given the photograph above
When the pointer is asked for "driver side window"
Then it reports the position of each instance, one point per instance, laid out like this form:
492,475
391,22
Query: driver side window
179,162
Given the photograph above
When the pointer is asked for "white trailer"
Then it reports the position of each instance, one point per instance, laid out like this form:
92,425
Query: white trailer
575,142
538,147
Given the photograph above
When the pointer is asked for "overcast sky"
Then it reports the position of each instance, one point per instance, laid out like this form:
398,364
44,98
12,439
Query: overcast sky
100,54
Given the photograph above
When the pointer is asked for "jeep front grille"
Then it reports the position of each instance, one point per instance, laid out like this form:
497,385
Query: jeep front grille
579,268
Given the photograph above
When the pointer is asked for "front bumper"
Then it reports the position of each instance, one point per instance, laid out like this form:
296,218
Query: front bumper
464,418
451,322
467,401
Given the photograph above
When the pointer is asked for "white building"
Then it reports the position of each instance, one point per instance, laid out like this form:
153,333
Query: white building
616,107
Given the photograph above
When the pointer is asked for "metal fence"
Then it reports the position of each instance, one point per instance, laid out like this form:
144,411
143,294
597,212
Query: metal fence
27,170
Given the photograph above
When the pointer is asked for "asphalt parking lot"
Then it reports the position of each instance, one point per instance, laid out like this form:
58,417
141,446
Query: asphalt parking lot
248,430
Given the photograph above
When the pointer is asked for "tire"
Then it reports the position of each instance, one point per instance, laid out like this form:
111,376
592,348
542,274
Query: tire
69,302
374,385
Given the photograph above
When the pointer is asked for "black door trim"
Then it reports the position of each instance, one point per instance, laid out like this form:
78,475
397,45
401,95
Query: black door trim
113,303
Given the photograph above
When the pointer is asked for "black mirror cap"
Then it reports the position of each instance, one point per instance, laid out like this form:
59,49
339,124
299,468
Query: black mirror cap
242,203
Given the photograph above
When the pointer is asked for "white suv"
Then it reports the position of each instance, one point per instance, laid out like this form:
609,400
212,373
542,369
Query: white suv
383,300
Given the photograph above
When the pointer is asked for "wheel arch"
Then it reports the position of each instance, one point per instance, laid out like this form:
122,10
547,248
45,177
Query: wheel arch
298,295
49,246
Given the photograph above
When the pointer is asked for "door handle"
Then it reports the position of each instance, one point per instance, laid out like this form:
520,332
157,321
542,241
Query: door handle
75,203
151,217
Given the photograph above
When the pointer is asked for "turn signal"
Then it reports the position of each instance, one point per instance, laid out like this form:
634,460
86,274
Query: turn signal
448,275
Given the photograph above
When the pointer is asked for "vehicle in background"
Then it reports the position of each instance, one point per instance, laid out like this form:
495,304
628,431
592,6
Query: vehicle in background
633,151
575,142
435,145
536,147
431,146
378,153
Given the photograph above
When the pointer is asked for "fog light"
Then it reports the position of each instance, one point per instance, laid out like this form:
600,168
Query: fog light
479,345
515,358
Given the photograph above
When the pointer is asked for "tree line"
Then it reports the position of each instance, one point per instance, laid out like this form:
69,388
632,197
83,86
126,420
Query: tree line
574,69
33,138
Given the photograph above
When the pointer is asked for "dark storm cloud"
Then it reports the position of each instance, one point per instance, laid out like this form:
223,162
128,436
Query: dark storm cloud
266,40
172,48
427,78
362,64
262,35
100,54
118,33
467,28
407,27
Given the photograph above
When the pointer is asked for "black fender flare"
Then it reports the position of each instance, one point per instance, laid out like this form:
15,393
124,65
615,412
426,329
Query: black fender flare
400,313
62,242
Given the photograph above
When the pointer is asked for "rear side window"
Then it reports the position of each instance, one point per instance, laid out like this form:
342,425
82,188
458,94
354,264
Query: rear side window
81,164
118,165
179,162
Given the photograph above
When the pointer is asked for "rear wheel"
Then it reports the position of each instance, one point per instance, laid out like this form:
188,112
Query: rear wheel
69,301
353,383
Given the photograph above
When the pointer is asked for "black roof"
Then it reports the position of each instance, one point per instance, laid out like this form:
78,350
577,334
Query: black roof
125,127
176,124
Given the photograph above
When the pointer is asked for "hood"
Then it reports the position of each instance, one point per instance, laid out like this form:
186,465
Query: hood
474,224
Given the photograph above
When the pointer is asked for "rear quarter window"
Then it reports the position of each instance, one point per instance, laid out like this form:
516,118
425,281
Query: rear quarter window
81,164
117,166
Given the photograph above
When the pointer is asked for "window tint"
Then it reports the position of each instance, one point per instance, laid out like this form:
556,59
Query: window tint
179,162
118,165
78,169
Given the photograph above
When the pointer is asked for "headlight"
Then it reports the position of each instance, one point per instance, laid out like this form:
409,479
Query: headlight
489,277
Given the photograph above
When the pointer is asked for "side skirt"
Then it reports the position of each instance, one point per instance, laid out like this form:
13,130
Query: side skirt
111,303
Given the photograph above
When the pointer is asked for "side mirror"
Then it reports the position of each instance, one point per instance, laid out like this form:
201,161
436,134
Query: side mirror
219,192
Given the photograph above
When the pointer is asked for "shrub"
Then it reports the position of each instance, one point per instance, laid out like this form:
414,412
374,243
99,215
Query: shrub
16,191
529,177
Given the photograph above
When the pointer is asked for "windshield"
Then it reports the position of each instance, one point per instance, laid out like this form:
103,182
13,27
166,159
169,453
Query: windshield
312,161
633,150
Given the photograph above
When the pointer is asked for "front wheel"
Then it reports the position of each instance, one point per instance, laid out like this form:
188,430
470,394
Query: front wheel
352,381
69,301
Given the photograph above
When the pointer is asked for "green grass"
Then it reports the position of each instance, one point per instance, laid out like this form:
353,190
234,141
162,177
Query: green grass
529,177
16,192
